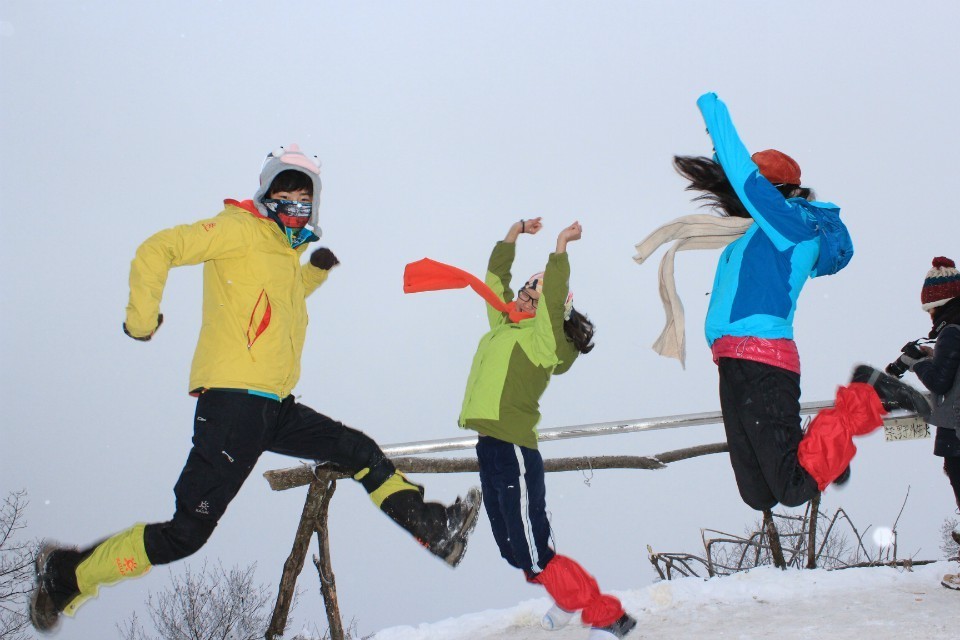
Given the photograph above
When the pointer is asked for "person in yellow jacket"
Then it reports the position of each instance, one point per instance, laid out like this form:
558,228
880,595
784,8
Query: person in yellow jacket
245,366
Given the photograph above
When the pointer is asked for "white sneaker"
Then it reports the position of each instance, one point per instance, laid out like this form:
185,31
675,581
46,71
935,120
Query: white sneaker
951,581
556,618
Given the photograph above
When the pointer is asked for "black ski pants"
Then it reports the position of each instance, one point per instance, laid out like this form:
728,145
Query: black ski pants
231,430
761,417
951,467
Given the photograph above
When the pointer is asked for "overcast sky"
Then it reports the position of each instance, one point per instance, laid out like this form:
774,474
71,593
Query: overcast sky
439,124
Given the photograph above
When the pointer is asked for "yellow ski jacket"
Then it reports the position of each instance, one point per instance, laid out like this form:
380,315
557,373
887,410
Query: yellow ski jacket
254,298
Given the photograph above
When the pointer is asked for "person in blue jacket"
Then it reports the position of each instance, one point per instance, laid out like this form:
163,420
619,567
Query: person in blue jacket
749,323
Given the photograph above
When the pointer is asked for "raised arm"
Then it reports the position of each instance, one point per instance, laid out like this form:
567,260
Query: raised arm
501,260
784,224
548,335
571,234
531,226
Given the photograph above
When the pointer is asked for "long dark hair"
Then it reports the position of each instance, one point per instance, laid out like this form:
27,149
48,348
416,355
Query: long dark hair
579,331
708,177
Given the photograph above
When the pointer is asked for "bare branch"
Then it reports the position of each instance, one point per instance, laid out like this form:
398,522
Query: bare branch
212,604
16,567
726,553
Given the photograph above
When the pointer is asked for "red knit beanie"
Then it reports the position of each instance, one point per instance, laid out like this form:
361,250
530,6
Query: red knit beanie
777,167
941,285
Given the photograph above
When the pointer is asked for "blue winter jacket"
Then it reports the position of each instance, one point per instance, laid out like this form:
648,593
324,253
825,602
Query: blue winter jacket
760,275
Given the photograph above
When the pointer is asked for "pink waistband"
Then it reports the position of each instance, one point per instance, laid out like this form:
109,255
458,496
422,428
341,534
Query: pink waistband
778,352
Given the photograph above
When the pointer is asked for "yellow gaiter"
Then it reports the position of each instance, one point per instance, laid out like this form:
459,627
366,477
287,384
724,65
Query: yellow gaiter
116,558
396,482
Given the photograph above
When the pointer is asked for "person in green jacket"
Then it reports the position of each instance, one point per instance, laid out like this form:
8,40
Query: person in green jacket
510,372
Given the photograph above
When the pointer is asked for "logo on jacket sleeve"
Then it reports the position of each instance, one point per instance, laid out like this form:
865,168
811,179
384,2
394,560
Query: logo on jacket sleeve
126,565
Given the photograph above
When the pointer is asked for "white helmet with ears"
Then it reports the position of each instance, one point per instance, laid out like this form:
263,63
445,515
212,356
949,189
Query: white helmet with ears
283,159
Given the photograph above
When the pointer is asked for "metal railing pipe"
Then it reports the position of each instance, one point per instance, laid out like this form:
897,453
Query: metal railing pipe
584,430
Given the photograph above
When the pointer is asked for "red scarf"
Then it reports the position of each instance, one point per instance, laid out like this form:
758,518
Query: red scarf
430,275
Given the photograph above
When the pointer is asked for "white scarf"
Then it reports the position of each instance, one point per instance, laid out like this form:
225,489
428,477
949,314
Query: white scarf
698,231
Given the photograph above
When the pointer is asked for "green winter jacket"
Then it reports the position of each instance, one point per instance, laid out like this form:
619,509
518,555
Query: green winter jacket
514,361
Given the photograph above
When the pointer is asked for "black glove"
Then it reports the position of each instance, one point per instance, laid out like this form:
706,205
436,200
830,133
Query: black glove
145,338
911,355
323,258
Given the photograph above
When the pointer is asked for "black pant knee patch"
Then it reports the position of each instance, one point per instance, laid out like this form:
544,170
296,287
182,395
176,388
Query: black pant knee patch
176,539
355,450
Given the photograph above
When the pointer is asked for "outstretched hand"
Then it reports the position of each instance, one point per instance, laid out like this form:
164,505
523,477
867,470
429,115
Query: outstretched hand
570,234
531,226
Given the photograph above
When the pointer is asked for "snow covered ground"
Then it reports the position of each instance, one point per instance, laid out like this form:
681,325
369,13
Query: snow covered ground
865,604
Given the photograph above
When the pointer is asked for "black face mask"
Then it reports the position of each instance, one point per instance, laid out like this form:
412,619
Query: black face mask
290,213
944,315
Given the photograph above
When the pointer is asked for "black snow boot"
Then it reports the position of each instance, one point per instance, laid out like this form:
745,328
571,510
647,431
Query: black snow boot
618,629
843,478
56,584
893,393
442,530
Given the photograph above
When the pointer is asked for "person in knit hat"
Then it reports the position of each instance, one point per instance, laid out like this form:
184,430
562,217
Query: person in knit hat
938,368
941,287
245,367
749,323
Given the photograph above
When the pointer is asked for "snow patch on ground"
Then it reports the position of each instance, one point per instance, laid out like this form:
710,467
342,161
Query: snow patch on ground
876,603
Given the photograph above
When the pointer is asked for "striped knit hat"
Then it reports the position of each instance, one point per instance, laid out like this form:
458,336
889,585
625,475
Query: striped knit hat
941,284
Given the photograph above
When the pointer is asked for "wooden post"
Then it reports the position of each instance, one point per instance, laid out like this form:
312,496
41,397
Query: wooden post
317,501
812,533
775,549
328,582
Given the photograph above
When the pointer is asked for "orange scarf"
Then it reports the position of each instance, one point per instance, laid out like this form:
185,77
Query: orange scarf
430,275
